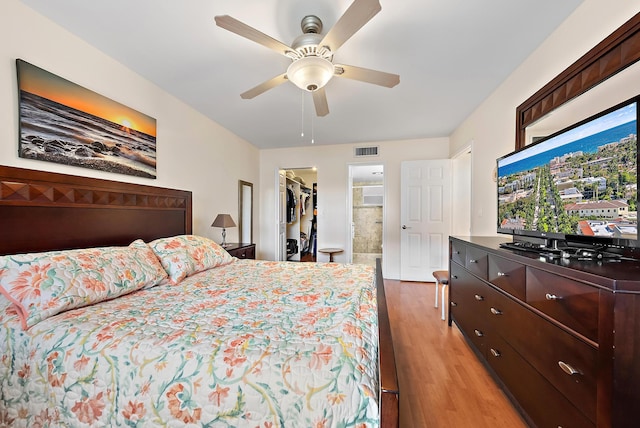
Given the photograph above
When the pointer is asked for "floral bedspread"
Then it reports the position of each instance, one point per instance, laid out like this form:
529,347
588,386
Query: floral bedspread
248,344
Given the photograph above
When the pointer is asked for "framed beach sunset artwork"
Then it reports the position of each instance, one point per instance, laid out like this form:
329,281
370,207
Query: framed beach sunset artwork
66,123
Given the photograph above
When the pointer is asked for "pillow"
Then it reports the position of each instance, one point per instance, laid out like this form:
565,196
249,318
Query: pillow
41,285
185,255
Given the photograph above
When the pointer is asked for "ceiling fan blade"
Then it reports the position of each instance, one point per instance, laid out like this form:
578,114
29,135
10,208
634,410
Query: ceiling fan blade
265,86
358,14
381,78
320,101
244,30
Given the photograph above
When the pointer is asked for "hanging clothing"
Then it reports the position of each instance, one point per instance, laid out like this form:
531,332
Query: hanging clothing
291,205
304,203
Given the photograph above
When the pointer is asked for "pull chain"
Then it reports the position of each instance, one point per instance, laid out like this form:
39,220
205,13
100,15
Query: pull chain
302,117
302,120
312,129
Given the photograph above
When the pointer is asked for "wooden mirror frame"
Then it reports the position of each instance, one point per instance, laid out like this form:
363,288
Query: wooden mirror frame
245,214
615,53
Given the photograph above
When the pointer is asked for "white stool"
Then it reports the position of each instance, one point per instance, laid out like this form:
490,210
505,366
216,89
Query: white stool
442,278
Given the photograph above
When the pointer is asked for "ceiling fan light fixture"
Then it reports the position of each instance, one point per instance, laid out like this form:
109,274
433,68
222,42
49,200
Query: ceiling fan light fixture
310,73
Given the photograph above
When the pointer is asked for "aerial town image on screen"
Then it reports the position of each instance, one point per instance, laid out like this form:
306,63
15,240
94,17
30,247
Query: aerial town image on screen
579,182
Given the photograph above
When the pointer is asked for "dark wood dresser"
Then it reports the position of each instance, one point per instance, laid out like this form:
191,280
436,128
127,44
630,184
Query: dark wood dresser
561,336
241,251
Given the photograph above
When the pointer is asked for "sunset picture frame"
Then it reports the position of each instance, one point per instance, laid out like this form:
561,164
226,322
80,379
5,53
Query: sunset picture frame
62,122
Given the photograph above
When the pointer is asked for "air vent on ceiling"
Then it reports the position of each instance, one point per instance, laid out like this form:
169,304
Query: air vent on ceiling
366,151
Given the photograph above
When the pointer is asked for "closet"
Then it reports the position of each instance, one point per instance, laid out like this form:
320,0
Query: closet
298,208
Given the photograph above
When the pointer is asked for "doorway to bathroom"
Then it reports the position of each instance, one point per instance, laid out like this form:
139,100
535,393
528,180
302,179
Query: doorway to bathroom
367,212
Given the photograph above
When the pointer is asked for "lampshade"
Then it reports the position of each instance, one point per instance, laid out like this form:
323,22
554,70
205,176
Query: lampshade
310,73
223,220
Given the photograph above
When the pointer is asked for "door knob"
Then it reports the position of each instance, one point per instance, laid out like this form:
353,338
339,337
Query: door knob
404,226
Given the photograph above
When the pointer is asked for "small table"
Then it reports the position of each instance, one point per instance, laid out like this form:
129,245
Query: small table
331,252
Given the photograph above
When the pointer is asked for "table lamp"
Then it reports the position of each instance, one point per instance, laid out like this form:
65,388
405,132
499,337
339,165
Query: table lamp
223,221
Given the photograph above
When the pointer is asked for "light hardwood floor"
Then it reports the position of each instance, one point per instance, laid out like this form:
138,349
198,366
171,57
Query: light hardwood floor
442,383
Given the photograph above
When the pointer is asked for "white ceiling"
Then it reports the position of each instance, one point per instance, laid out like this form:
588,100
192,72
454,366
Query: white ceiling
367,174
450,55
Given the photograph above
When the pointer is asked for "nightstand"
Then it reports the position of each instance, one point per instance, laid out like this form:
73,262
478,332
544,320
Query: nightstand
241,251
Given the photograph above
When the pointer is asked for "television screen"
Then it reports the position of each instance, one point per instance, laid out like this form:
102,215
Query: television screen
579,182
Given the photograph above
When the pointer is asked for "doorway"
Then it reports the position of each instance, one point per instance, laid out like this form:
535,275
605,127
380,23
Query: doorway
367,212
297,217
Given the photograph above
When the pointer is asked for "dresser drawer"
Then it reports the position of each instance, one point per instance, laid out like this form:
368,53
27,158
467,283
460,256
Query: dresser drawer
458,252
570,302
544,404
508,275
566,362
476,262
469,305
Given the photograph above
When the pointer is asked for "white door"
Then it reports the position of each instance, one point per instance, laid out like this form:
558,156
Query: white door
425,218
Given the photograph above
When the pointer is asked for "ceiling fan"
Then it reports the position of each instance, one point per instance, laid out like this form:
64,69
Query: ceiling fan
312,53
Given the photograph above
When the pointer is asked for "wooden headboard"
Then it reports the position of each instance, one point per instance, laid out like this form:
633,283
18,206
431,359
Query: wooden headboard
42,211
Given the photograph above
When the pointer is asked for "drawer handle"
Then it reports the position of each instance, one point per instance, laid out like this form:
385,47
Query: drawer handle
495,311
495,352
567,368
478,333
454,304
502,274
550,296
473,261
479,298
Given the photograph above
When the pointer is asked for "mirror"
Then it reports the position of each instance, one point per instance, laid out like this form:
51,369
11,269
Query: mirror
608,61
612,91
245,212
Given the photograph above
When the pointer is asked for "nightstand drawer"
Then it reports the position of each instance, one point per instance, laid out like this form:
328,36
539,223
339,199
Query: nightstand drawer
242,251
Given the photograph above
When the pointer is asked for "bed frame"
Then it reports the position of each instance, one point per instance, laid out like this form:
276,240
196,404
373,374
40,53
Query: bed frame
43,211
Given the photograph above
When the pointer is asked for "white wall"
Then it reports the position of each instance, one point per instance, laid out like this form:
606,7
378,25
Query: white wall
492,125
332,166
461,188
193,152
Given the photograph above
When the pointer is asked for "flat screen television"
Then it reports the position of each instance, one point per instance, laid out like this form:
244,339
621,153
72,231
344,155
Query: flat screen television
576,186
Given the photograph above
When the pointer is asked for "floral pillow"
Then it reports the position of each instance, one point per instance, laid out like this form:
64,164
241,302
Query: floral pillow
185,255
41,285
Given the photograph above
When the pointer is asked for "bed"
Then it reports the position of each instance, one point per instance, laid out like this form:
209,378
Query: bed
214,341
